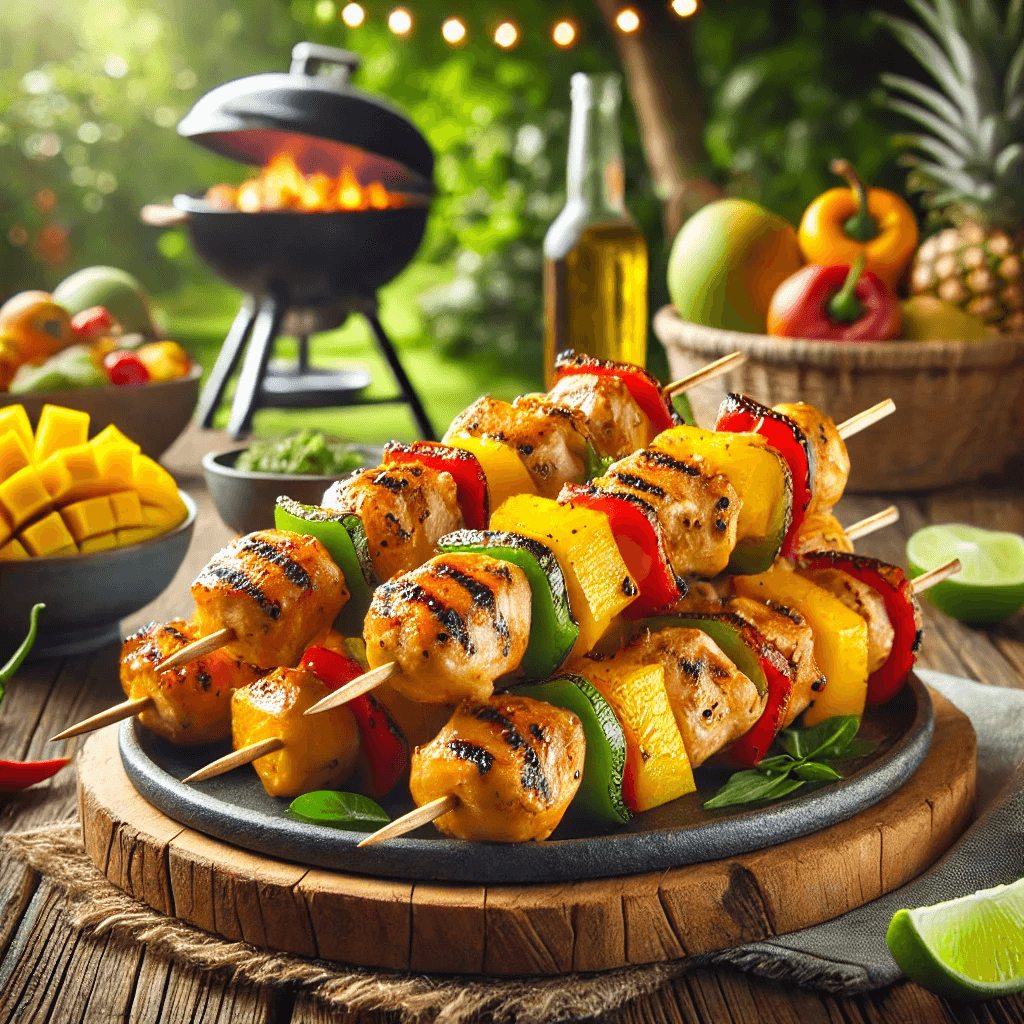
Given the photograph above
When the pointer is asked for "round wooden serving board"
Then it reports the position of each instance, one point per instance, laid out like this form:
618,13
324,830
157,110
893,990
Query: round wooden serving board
592,925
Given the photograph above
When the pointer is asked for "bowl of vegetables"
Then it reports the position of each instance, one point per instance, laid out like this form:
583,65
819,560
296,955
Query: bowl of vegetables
245,482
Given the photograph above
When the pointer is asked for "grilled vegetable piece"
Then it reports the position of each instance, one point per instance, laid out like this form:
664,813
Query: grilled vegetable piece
820,531
600,794
740,414
901,608
553,630
279,592
599,583
463,467
840,639
192,703
404,509
506,475
514,763
343,536
319,752
453,626
830,461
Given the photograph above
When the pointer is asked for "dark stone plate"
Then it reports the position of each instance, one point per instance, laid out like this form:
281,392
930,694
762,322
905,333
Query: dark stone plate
235,808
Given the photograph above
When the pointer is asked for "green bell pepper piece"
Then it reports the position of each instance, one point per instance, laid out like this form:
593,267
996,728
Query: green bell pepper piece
596,465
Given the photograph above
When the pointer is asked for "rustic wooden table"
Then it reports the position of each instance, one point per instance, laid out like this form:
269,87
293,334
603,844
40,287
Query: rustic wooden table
50,973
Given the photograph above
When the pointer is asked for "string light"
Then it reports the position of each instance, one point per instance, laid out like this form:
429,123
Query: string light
627,20
684,8
506,35
564,34
454,31
400,21
353,15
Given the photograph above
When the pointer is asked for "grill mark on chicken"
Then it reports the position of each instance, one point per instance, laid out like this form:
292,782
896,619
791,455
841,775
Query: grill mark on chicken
532,776
483,597
639,484
292,570
454,624
481,759
392,483
217,572
666,461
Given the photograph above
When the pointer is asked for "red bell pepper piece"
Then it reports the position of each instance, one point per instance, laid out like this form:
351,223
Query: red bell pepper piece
835,303
383,749
16,775
124,368
94,322
465,468
900,605
645,389
637,533
739,414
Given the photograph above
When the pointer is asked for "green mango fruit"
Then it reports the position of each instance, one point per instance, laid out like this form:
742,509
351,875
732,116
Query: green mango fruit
121,294
926,318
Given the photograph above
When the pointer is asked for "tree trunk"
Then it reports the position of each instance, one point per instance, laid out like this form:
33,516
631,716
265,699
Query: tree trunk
668,100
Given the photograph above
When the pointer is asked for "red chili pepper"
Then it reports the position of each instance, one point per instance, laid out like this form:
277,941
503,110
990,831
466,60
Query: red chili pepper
470,482
835,303
900,605
739,414
16,775
125,368
94,322
383,749
638,536
645,389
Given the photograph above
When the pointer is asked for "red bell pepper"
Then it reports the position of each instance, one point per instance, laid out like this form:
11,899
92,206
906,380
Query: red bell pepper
637,533
900,605
739,414
835,303
94,322
383,749
645,389
465,468
16,775
125,368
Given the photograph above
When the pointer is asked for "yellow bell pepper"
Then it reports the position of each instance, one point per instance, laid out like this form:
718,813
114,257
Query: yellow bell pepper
506,475
165,360
844,222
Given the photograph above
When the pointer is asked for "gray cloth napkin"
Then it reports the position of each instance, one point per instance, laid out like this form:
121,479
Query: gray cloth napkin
849,955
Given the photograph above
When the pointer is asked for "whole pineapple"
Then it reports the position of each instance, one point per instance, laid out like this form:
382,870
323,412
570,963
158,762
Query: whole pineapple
972,170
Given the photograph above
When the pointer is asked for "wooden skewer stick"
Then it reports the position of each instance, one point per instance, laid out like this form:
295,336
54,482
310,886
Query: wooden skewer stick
703,375
413,820
864,419
361,684
204,645
117,713
244,755
937,575
886,517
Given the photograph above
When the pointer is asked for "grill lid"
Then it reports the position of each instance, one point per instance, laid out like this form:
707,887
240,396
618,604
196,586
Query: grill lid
320,119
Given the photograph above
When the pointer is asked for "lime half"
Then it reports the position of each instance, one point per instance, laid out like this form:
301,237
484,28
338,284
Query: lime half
989,587
970,948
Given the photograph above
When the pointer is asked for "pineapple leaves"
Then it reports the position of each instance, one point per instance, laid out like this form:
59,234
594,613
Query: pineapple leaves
1014,77
946,156
1014,23
1008,158
941,128
926,95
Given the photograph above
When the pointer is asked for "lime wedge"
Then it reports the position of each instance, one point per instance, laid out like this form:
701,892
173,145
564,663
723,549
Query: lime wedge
970,948
990,586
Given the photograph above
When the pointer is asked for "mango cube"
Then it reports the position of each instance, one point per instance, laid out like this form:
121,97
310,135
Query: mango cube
12,551
24,495
114,462
161,516
127,509
48,536
14,417
60,428
111,435
102,542
88,518
6,530
85,473
134,534
13,454
155,485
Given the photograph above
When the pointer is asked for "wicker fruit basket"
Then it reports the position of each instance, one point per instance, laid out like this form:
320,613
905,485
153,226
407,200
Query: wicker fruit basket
959,405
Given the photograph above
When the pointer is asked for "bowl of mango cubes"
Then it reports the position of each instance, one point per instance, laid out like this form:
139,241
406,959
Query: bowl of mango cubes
89,526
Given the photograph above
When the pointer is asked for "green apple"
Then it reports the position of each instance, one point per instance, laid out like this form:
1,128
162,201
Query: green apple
726,263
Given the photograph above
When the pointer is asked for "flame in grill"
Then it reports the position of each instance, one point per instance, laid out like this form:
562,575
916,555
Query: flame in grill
281,185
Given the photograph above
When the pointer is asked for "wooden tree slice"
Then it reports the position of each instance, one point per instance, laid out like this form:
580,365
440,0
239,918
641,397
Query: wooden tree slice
531,929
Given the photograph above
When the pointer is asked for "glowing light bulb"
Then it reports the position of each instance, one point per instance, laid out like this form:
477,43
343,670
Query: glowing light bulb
627,20
684,8
506,35
400,21
564,34
453,31
353,15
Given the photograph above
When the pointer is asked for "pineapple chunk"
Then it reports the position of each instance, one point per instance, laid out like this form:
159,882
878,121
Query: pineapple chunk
127,509
47,537
155,485
60,428
13,454
12,551
101,542
88,518
24,495
14,417
111,435
134,534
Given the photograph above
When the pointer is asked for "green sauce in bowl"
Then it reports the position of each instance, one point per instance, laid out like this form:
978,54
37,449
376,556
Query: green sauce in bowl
304,452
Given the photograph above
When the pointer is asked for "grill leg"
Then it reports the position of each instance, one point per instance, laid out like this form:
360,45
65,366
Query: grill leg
268,323
227,360
411,397
303,362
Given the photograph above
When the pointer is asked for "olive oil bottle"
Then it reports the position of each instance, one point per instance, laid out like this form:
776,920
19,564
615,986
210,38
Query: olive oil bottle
595,257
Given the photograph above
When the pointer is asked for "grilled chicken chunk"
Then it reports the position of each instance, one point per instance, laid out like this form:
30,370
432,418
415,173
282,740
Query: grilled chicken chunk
697,510
551,446
616,425
713,702
821,531
453,626
192,703
514,763
788,631
405,510
278,591
831,461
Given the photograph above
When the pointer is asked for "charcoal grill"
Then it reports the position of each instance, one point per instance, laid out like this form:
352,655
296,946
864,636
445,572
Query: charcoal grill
305,272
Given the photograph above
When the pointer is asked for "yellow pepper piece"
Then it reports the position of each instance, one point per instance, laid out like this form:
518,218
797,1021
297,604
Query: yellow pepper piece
127,508
135,534
102,542
115,464
48,537
596,577
14,417
60,428
154,484
111,435
840,639
13,551
13,454
165,360
506,475
88,518
24,495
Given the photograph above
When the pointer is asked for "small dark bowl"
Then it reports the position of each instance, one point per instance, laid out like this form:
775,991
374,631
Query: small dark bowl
245,500
86,596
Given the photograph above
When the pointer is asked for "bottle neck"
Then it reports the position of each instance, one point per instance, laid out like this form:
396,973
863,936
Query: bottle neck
594,172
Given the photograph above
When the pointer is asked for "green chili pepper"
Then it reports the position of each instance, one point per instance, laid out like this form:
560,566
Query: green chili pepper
22,652
596,465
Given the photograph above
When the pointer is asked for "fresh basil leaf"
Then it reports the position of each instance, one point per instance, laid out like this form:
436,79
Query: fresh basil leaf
828,739
774,765
859,748
784,787
815,771
751,787
339,810
846,730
